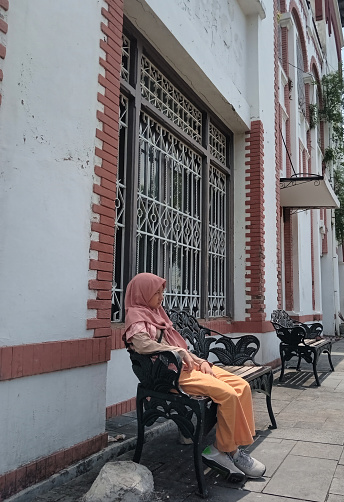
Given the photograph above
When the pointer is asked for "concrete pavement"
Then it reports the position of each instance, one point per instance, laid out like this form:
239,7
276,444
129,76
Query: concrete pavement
304,455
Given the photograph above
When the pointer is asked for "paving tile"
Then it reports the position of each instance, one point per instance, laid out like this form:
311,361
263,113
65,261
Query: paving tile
334,498
266,450
337,486
312,425
320,404
298,480
277,405
318,450
285,422
310,435
341,460
279,391
331,424
222,494
256,485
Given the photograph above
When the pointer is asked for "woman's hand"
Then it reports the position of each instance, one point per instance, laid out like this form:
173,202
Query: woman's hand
188,362
205,367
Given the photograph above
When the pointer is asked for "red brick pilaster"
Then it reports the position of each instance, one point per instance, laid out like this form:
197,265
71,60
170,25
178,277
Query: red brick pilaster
103,218
255,224
4,5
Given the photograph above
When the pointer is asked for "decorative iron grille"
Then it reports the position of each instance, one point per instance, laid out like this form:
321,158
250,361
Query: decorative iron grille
117,286
169,214
161,93
217,243
125,58
217,143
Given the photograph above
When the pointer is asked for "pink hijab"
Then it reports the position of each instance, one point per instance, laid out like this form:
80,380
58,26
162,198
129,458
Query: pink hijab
139,291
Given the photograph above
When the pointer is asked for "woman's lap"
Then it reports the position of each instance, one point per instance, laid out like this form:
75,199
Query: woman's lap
224,383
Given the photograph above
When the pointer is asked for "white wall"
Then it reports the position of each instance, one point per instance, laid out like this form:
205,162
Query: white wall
328,268
121,380
47,131
207,48
305,263
45,413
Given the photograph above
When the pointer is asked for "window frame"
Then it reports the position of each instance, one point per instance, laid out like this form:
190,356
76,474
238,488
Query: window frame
130,88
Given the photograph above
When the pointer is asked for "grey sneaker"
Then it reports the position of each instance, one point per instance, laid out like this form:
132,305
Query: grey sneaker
249,465
223,462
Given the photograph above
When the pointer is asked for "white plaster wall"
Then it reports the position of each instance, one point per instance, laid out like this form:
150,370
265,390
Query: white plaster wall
205,42
121,380
305,262
47,140
317,260
341,282
39,415
269,347
328,283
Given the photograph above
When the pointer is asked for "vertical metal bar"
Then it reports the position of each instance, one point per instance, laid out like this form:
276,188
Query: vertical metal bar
204,285
230,231
132,174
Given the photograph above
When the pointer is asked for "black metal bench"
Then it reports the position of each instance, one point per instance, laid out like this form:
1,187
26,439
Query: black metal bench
159,394
304,341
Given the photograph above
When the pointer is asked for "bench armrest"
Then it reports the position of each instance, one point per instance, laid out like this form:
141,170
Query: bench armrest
158,371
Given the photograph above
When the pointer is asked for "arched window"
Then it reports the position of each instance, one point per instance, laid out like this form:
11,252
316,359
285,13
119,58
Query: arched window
300,73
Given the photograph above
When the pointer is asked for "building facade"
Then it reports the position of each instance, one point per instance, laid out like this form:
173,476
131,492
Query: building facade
146,135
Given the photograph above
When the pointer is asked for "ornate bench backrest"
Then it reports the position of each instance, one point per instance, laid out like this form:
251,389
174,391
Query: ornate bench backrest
282,318
202,342
288,331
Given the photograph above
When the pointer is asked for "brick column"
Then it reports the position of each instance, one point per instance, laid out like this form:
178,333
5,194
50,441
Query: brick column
104,190
4,5
255,224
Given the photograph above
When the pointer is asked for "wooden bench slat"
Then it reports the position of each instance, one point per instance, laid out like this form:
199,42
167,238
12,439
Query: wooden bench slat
248,372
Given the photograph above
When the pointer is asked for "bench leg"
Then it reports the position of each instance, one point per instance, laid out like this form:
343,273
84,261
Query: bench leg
315,361
283,364
328,352
269,406
140,431
202,488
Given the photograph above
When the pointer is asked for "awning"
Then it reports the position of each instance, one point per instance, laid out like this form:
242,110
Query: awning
307,192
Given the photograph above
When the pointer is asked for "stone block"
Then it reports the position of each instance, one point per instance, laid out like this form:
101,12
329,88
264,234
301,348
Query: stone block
123,481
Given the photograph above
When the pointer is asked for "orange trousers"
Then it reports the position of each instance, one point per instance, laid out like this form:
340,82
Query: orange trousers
235,420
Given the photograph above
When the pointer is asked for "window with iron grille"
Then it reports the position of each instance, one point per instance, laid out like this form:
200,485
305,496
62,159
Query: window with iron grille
173,189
